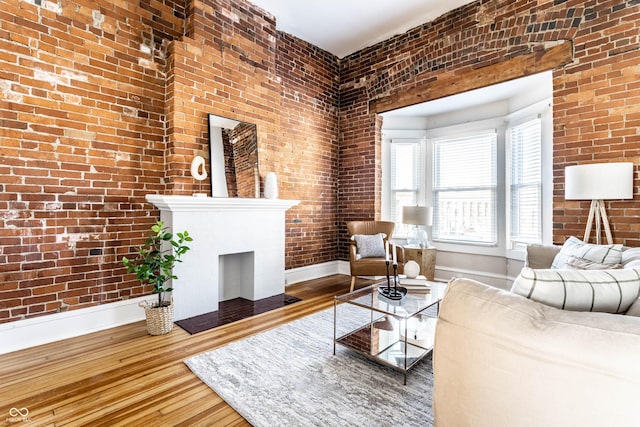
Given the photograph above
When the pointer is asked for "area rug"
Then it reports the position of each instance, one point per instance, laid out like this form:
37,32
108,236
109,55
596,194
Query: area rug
288,376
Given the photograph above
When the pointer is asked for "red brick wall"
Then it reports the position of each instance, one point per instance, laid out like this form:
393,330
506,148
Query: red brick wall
305,154
102,103
596,98
81,142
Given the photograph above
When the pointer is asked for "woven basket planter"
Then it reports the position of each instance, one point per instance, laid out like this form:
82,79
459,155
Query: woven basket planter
159,319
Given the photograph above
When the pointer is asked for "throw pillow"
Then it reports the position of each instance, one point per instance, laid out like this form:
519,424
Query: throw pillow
603,254
575,263
609,291
631,258
370,245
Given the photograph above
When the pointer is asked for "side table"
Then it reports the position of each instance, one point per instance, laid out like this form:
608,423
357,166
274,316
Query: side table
425,257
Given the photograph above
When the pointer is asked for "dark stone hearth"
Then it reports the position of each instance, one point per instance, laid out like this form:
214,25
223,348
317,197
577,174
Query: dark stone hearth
234,310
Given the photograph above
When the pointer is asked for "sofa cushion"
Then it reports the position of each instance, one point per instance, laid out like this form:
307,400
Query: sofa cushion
370,245
540,256
609,291
604,254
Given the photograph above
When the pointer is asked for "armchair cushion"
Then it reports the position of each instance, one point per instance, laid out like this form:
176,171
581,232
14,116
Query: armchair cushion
370,245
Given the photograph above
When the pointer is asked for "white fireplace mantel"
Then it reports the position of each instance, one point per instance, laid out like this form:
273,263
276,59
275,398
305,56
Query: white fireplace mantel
221,228
191,203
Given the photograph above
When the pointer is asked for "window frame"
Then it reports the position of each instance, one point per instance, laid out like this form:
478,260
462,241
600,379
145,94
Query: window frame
511,242
544,111
462,130
492,188
387,139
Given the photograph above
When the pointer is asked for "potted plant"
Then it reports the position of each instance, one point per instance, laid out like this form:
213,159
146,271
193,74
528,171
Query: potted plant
154,265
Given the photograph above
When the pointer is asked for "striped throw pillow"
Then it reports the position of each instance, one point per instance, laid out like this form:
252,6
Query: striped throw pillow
631,258
603,254
609,291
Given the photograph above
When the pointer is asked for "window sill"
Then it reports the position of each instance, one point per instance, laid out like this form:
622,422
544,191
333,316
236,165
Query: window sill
473,249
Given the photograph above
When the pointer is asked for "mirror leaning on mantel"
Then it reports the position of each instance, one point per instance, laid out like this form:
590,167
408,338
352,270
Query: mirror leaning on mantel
233,150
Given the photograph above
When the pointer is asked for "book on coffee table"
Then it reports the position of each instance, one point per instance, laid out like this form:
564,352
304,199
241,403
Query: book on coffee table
417,284
418,280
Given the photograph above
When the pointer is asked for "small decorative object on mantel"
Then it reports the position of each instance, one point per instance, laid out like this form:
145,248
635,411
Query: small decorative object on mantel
198,172
271,186
395,294
154,265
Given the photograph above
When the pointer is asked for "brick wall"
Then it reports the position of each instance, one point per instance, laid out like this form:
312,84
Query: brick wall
81,142
103,103
305,153
596,108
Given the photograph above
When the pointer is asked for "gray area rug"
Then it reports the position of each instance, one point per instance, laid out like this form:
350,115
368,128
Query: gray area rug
288,376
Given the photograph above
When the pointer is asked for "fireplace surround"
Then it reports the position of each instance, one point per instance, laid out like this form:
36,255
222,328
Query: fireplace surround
237,251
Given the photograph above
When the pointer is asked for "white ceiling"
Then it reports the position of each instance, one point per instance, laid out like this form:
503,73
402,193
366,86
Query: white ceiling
343,27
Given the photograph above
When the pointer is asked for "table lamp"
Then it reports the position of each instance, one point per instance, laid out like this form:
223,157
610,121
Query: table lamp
418,216
598,182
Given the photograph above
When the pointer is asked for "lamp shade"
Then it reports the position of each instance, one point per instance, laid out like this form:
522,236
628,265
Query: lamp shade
599,181
417,215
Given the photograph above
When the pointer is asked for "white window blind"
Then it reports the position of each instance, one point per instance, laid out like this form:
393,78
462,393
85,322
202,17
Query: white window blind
464,188
405,178
526,183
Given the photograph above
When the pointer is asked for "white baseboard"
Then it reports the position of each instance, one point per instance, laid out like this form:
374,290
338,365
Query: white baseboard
310,272
27,333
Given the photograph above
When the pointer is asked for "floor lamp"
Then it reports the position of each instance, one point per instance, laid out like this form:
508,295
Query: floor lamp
598,182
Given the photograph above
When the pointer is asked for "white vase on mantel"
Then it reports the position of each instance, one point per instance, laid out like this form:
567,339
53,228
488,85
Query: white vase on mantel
271,186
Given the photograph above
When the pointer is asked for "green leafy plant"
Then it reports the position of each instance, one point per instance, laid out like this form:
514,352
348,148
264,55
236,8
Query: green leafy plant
154,264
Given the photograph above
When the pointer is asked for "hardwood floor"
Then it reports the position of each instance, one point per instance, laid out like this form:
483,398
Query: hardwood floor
123,376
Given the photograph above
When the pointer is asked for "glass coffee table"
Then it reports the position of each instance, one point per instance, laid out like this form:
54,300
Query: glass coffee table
397,334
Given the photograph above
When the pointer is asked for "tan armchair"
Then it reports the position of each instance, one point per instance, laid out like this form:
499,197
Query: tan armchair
370,266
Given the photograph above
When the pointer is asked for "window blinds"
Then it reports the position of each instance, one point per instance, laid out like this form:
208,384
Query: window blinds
526,182
405,176
464,188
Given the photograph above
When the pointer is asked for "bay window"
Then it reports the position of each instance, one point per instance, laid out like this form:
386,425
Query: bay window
484,180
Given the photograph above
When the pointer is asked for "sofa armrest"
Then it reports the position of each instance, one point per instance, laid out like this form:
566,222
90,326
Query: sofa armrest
540,256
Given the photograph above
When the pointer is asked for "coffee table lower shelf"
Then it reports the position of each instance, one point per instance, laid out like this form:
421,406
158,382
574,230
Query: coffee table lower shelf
400,354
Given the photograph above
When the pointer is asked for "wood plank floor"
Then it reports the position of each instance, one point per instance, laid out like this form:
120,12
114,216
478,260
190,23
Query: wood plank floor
125,377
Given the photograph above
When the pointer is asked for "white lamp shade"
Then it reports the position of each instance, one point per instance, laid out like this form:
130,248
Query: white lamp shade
417,215
599,181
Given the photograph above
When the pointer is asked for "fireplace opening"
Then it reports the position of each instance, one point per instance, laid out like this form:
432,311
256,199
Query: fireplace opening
236,276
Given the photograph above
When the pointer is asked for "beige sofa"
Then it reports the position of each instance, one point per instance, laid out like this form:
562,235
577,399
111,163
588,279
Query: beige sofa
503,360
